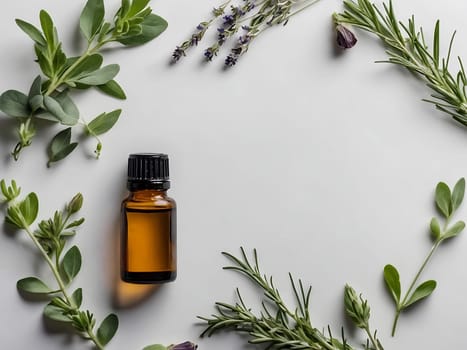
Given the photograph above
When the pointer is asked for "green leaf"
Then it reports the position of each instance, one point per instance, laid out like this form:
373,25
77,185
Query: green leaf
435,228
14,217
75,223
107,329
77,297
155,347
56,109
55,313
29,208
152,27
15,104
136,7
33,285
67,104
391,277
458,194
37,102
87,65
92,18
103,122
443,199
454,230
422,291
71,263
100,76
47,26
32,32
60,146
36,87
112,88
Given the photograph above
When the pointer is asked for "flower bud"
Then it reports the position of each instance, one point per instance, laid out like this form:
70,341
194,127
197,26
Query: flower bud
187,345
345,38
356,307
75,204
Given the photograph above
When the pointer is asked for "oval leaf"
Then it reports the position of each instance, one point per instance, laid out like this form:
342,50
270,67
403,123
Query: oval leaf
33,285
454,230
71,263
55,313
458,193
422,291
47,26
91,18
152,27
391,277
435,228
14,103
60,146
103,122
87,65
100,76
32,32
443,199
107,329
112,88
29,208
55,108
77,297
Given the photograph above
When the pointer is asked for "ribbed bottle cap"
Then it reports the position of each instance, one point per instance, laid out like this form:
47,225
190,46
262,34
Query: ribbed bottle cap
148,171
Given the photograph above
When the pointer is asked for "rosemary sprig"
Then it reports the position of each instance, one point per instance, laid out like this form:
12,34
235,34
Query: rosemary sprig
408,48
262,15
447,204
49,96
278,326
50,239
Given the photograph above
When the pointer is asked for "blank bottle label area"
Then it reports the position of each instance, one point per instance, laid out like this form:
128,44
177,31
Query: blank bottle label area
149,247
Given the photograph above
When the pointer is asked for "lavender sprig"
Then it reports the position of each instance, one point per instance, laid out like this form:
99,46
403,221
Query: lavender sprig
197,36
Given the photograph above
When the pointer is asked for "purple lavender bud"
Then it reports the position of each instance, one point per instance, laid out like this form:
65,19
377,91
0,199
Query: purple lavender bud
209,54
231,60
244,39
228,20
345,38
195,39
200,26
178,53
183,346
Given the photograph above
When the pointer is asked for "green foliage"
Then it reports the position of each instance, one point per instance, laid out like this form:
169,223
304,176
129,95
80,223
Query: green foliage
155,347
50,238
49,95
447,203
407,47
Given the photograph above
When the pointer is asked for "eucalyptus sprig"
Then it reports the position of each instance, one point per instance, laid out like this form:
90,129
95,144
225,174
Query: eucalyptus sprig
50,238
408,48
278,326
447,204
252,17
49,96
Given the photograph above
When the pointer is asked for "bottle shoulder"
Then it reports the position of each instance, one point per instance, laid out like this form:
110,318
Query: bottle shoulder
149,199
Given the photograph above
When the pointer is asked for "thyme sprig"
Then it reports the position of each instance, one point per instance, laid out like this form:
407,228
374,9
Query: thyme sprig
50,239
262,14
408,47
278,326
447,204
49,96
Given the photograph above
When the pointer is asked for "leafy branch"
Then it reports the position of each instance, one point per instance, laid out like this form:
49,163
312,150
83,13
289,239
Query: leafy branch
278,326
50,239
49,95
408,48
447,204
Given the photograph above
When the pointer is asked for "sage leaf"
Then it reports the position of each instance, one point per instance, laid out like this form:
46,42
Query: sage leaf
422,291
34,33
155,347
33,285
60,146
77,297
152,26
454,230
55,108
36,87
391,277
37,102
107,329
55,313
443,199
100,76
136,7
435,228
67,104
14,103
458,194
89,64
29,207
92,18
47,26
112,88
71,263
103,122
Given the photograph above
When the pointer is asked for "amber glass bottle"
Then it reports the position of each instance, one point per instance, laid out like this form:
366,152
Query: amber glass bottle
149,233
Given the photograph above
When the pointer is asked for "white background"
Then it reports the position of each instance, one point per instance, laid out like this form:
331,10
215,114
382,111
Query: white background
324,161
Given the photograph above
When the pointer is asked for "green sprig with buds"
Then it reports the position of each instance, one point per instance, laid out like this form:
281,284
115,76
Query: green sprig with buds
49,95
447,204
50,238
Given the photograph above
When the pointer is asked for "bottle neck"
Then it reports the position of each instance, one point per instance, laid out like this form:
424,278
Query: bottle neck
147,194
140,185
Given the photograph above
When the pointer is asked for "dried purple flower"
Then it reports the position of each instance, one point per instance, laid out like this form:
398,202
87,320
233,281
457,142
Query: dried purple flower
244,39
231,60
183,346
228,20
200,26
209,54
178,53
345,38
